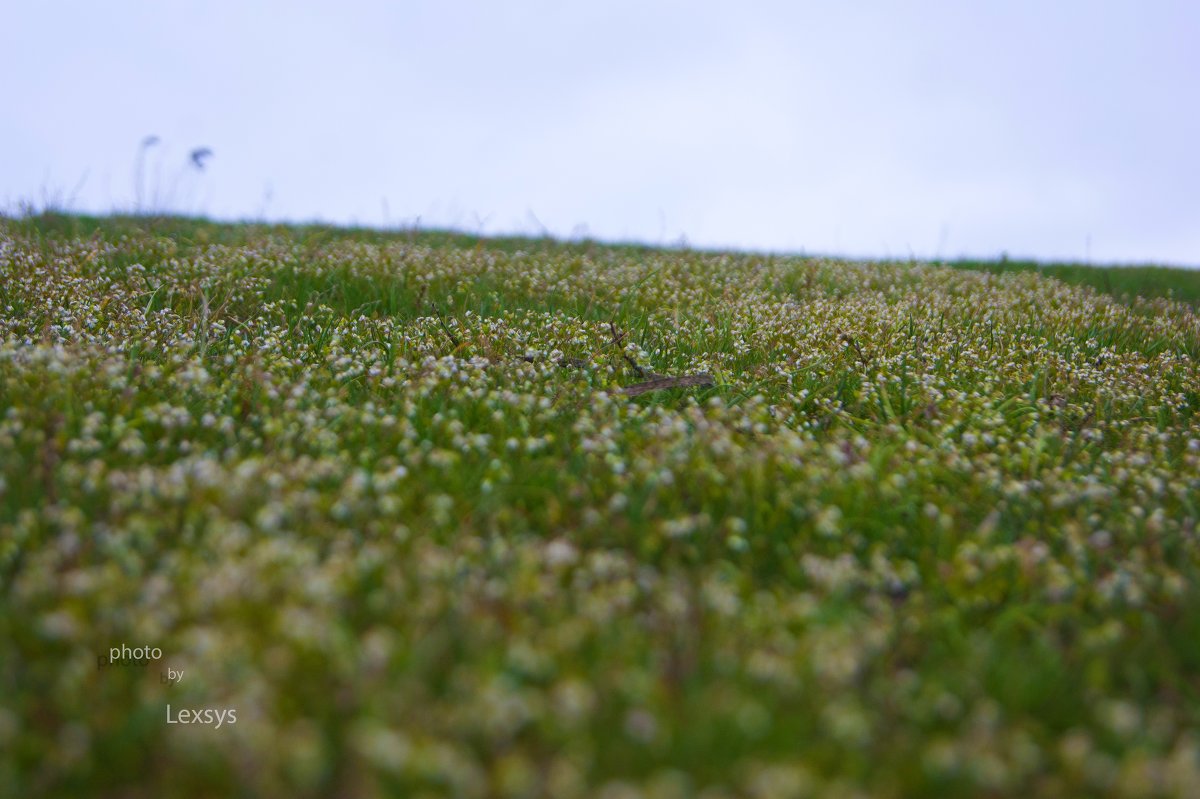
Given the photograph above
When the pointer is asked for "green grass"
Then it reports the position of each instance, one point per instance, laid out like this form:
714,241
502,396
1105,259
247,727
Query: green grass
1123,282
931,533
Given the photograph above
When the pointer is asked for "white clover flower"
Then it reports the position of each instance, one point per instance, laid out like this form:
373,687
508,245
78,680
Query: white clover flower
561,553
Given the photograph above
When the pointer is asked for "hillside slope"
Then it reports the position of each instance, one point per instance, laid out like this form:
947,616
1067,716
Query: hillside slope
932,531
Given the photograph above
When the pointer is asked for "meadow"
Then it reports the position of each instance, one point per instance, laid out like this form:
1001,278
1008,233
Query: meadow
928,530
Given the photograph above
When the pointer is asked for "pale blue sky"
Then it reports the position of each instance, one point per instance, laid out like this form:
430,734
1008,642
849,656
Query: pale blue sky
1050,129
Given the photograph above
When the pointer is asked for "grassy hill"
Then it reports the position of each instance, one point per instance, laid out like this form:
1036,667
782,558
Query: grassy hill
923,530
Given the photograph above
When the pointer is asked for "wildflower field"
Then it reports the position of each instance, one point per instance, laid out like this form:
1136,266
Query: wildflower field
917,531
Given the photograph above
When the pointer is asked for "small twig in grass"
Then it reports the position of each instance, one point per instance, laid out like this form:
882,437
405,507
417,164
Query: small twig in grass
619,342
651,380
849,339
660,383
445,327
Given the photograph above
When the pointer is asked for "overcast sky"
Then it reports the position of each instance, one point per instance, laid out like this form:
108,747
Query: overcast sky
1059,130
